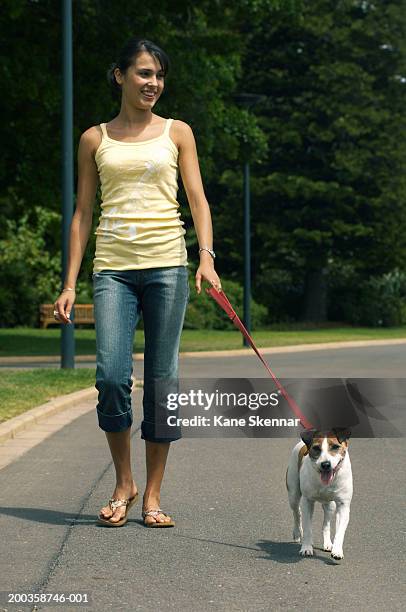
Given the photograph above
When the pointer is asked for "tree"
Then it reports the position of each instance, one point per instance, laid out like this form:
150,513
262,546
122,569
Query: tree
332,191
205,50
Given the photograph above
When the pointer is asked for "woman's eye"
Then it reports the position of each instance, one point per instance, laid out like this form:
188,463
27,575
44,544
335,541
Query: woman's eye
146,74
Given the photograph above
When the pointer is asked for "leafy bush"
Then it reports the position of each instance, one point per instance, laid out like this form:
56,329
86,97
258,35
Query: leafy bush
379,301
204,313
29,273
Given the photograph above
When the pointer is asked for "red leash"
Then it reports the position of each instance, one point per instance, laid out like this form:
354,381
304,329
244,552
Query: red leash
222,300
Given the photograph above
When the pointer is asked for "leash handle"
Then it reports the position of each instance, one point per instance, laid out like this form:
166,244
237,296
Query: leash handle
222,300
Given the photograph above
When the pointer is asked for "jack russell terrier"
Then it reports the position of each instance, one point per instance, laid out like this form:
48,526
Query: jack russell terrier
320,470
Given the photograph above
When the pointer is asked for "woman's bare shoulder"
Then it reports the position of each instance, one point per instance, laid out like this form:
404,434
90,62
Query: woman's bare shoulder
181,126
182,132
91,138
91,133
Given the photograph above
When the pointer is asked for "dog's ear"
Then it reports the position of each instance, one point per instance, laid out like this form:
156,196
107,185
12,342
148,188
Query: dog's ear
307,436
342,433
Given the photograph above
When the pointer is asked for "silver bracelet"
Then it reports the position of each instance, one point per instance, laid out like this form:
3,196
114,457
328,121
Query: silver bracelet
68,289
212,253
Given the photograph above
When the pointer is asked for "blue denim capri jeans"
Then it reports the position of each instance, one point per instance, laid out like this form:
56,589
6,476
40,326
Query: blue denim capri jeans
119,297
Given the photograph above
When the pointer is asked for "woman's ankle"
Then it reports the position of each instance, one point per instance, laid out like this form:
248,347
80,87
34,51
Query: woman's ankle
124,483
151,497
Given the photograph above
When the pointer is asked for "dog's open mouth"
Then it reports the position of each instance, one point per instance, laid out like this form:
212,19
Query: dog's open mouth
327,476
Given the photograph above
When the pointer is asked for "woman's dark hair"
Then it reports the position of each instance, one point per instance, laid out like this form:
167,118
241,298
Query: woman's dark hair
127,56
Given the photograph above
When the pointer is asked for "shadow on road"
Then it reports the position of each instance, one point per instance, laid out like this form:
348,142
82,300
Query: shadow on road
288,552
50,517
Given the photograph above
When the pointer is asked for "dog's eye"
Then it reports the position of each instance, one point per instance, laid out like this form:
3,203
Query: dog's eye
335,446
317,448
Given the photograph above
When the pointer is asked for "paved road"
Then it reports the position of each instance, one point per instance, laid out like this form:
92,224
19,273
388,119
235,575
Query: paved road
231,548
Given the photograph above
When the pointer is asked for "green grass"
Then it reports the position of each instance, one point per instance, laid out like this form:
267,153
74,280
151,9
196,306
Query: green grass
21,390
23,341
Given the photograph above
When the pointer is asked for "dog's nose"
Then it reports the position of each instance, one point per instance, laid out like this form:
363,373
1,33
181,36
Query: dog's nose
325,465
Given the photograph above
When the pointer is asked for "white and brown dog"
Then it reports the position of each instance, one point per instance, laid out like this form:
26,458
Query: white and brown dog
320,470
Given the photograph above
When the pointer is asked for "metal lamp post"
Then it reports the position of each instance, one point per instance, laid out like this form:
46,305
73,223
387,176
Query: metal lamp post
246,100
67,331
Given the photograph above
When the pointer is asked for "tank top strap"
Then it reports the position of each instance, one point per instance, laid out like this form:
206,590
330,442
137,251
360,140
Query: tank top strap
167,127
103,129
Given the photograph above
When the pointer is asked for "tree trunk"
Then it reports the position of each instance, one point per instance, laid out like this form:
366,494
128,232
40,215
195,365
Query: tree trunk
315,303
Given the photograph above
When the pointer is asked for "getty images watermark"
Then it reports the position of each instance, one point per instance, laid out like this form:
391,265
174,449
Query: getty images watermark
256,407
216,402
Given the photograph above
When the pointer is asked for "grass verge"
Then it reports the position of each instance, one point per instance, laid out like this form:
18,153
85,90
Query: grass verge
24,341
22,390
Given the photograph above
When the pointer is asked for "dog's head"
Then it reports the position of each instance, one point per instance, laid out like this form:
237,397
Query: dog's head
326,450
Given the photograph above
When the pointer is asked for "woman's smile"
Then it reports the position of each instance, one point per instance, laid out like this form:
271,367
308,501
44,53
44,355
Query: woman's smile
150,95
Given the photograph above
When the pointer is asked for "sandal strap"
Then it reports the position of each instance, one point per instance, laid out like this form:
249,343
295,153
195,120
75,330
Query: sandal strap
116,503
153,513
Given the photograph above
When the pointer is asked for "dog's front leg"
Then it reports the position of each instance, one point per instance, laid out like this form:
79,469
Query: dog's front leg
307,507
328,508
342,518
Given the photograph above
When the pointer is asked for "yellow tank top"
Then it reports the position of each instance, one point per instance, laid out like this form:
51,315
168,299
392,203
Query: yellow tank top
139,224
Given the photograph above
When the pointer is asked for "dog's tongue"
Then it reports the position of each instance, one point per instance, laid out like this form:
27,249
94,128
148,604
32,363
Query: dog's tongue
327,477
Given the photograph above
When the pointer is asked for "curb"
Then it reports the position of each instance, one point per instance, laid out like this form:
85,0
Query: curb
296,348
11,427
222,353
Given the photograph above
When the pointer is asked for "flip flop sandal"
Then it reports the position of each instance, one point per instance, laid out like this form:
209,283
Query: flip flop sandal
154,514
116,503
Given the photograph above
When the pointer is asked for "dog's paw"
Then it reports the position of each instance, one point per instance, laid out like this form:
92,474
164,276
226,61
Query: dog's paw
306,551
337,553
328,545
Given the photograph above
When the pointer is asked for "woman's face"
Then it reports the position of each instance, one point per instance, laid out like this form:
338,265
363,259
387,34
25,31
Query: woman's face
143,82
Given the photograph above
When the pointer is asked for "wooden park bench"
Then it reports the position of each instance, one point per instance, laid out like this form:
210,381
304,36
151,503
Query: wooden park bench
83,314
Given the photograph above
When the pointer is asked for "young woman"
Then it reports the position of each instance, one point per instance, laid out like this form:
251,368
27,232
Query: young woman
140,262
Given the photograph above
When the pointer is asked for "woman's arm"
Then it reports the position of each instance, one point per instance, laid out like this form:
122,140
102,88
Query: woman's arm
199,207
82,219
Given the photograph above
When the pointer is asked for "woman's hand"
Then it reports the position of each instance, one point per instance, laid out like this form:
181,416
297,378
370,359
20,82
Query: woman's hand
207,272
63,306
